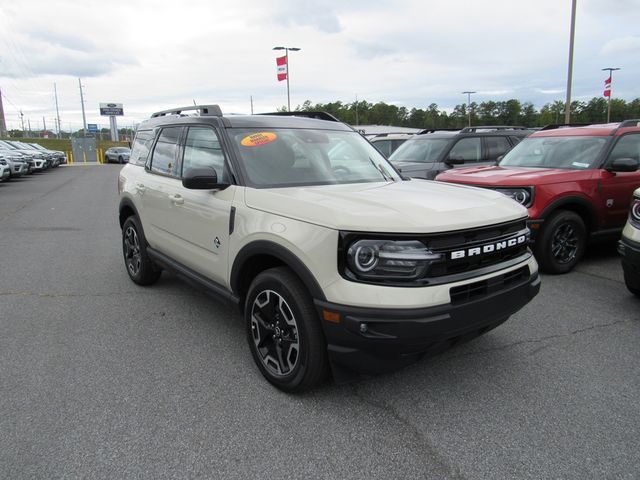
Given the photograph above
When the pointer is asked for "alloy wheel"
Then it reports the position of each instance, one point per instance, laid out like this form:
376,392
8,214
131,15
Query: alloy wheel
564,244
132,255
275,333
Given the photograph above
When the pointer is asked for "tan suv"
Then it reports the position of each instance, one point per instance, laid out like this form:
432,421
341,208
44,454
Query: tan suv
629,246
336,262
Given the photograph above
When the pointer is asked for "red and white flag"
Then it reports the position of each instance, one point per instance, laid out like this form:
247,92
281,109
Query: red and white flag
281,63
607,87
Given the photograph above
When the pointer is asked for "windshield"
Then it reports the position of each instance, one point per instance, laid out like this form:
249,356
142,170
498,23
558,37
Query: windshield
573,153
421,150
293,157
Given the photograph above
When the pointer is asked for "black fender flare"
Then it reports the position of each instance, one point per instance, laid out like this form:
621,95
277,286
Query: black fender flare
266,247
585,205
126,203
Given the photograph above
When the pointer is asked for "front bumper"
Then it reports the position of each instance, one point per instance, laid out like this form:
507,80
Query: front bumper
368,341
630,252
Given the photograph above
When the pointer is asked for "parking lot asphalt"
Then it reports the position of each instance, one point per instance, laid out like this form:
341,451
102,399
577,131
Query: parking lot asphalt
100,378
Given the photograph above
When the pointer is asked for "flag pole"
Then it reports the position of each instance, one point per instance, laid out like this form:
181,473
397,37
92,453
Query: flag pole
286,61
286,56
610,70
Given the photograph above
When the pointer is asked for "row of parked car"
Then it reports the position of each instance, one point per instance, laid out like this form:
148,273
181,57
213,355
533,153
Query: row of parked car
21,158
577,181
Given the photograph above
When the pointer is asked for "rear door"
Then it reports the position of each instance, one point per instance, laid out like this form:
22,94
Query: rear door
160,186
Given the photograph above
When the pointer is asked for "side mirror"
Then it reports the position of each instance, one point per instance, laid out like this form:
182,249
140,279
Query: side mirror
623,165
454,161
203,178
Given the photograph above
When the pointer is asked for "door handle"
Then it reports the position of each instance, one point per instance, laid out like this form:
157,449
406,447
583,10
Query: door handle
140,187
176,199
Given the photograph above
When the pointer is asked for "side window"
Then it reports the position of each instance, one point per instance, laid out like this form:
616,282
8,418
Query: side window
384,146
467,149
496,146
164,157
515,140
202,149
141,146
628,146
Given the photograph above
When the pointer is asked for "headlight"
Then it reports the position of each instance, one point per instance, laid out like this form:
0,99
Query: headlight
389,260
634,212
523,196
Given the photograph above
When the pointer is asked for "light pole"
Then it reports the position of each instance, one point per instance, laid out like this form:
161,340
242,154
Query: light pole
286,56
610,70
468,94
567,105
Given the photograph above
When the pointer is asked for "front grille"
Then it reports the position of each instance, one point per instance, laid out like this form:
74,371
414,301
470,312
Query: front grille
473,249
475,290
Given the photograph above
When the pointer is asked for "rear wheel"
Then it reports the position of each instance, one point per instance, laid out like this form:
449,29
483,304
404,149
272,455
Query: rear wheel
284,332
561,243
134,249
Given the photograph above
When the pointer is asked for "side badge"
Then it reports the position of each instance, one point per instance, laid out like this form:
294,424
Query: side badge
609,202
216,242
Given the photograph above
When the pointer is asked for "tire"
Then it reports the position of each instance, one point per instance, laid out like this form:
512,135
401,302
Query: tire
632,282
562,242
134,250
284,332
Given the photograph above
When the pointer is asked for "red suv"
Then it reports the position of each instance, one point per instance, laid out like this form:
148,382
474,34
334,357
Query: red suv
577,183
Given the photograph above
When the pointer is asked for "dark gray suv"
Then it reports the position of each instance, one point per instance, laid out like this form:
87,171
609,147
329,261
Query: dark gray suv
434,151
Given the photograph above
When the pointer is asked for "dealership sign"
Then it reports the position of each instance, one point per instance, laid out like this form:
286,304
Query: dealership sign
111,109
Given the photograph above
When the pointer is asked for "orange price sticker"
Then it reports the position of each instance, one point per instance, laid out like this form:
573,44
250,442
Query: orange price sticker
258,139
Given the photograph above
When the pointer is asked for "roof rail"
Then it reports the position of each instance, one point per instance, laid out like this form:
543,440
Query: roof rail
203,111
629,123
308,114
434,130
554,126
492,127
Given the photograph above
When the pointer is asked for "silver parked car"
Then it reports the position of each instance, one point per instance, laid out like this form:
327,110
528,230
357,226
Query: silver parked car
117,154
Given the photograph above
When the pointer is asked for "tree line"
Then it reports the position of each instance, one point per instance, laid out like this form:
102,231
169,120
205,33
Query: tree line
509,112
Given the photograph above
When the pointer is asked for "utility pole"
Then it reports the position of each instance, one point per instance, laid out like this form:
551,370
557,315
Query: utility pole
609,90
567,104
251,100
3,124
469,106
44,127
55,92
84,118
22,121
29,124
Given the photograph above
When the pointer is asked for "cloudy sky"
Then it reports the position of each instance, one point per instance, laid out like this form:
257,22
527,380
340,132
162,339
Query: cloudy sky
152,55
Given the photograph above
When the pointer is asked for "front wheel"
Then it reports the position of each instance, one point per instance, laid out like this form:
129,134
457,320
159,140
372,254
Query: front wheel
284,332
561,243
134,249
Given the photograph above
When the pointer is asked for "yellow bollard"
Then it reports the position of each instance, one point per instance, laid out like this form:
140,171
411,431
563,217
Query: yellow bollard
84,155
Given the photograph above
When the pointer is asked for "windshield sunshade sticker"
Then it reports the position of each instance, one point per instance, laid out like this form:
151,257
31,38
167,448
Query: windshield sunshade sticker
580,165
258,139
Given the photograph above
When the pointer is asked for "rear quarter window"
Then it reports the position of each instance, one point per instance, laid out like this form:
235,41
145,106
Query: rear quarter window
141,147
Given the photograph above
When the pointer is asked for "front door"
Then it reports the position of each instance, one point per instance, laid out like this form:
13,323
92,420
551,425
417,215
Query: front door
617,187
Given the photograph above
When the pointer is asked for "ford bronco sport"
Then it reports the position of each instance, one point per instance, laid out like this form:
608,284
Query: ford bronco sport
576,182
629,247
433,151
335,262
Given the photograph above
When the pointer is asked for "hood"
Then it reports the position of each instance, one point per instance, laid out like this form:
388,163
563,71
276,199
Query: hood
415,206
512,176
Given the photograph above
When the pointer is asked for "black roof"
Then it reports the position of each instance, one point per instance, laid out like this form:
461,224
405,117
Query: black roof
212,114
